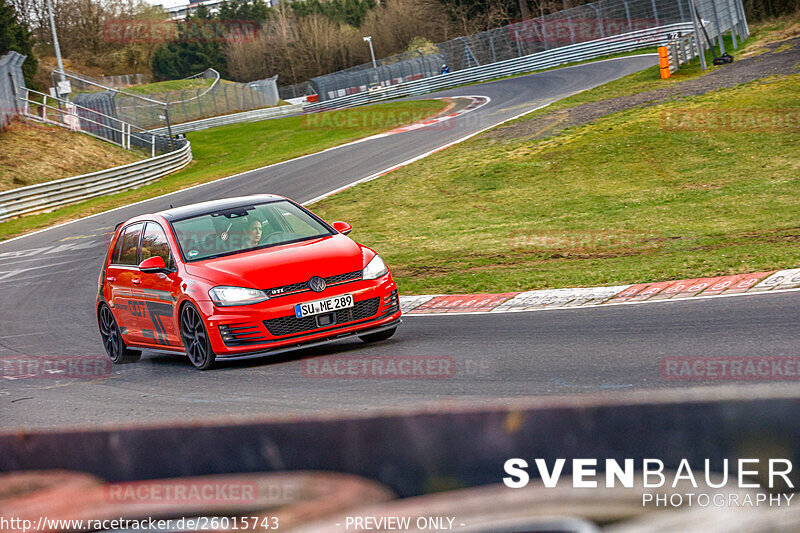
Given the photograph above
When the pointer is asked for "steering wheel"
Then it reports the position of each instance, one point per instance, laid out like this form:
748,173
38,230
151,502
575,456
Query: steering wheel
267,238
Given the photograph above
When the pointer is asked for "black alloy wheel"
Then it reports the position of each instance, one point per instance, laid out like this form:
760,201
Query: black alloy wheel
195,338
112,339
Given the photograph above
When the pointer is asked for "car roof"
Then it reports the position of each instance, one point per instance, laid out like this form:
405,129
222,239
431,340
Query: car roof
192,210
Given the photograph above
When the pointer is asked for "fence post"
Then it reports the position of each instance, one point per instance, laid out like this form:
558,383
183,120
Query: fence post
13,92
183,105
544,34
572,30
628,15
720,40
655,12
733,25
697,39
599,21
745,27
199,103
169,125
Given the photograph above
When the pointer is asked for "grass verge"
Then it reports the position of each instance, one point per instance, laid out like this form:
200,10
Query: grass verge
227,150
621,200
32,153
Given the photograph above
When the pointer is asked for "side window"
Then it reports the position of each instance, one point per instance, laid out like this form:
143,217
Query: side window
117,248
129,251
154,243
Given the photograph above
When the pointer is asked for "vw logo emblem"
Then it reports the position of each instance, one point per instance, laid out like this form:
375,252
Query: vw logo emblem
316,284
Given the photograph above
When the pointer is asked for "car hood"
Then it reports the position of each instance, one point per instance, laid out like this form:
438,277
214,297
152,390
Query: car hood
282,265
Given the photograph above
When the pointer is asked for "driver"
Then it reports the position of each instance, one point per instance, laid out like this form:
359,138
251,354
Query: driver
252,234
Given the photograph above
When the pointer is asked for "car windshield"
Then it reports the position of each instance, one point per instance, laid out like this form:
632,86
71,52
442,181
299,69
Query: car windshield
245,228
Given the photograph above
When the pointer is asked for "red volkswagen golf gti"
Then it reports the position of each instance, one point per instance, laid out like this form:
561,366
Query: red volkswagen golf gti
238,278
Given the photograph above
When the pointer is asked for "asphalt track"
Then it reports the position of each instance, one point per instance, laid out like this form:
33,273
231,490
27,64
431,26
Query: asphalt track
48,282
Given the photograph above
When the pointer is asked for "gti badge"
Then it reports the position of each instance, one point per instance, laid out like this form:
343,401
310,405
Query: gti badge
316,284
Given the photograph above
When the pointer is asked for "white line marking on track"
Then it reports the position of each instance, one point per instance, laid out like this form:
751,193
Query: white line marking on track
6,275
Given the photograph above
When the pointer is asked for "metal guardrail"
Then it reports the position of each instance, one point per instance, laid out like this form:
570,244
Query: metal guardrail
45,196
234,118
540,60
59,112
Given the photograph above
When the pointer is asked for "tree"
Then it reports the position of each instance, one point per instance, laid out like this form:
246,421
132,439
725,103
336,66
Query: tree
249,10
14,35
192,52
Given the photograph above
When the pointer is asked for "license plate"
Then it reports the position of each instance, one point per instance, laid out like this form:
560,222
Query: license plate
323,306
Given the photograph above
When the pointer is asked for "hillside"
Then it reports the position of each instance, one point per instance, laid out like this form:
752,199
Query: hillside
34,153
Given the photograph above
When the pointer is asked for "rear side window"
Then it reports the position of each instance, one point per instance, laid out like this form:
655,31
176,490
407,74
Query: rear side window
154,243
128,245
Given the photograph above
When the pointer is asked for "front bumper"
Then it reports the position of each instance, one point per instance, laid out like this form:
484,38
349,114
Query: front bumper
271,327
308,343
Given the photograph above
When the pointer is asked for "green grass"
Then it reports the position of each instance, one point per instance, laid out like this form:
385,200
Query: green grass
618,201
648,79
227,150
160,87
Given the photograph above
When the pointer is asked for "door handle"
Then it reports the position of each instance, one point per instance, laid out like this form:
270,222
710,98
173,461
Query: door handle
111,278
136,281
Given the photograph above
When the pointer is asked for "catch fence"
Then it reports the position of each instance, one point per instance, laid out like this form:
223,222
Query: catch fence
598,22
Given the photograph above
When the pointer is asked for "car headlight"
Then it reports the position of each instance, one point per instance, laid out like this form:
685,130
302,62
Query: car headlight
375,269
224,296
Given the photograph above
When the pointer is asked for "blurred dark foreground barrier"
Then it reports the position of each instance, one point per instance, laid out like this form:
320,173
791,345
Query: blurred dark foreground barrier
414,453
220,472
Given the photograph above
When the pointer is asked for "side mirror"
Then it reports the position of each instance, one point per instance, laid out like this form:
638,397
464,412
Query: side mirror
153,265
342,227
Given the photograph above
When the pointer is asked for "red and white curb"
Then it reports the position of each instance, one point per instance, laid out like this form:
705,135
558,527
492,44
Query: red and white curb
477,102
757,282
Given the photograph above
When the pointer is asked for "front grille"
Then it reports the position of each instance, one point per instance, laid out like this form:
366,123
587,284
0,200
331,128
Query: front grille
241,334
303,285
288,325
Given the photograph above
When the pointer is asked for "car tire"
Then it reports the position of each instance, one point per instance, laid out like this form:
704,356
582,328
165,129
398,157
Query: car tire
112,338
195,338
377,337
